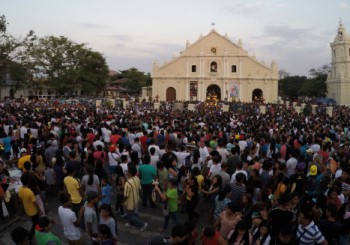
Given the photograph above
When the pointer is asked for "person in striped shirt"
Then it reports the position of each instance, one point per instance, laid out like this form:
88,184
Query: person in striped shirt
308,232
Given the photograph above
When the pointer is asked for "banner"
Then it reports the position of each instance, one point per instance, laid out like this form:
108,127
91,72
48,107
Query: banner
193,88
234,90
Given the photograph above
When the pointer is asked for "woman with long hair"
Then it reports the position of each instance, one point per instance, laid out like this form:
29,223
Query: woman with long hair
221,201
240,235
90,181
261,235
212,193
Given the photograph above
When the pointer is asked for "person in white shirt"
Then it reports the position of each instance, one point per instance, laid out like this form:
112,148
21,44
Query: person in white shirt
113,157
222,151
69,220
106,135
203,151
137,147
154,158
153,145
291,164
238,170
181,156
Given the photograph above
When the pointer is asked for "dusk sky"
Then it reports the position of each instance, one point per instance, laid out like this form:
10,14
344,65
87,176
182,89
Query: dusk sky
135,33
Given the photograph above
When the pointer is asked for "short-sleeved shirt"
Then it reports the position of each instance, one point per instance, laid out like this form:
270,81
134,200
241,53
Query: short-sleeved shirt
22,160
147,173
68,217
309,234
132,189
90,216
28,200
171,193
73,185
106,194
93,186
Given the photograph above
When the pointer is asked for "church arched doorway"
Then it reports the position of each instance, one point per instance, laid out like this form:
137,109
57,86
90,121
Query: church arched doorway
170,94
214,91
257,95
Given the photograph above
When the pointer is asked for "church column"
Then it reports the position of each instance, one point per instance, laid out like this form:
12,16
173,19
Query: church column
187,89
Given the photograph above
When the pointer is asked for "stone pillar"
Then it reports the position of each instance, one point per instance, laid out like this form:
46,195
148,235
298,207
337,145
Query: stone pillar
314,107
262,109
294,104
329,111
98,103
156,105
225,108
191,107
178,106
112,102
297,109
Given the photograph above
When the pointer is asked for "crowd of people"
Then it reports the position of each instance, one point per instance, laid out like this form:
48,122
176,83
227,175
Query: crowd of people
273,178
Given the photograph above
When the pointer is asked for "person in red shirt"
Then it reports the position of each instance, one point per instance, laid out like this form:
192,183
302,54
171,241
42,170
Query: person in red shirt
212,237
143,141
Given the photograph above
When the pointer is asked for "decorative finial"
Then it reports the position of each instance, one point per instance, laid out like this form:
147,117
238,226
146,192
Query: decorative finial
340,22
213,24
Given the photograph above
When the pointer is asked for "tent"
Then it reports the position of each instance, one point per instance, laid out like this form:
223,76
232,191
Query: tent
325,101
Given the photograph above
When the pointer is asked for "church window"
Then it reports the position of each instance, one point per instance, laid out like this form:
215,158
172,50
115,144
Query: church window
234,68
213,67
194,68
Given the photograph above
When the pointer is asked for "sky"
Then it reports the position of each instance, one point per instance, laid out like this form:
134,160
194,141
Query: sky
135,33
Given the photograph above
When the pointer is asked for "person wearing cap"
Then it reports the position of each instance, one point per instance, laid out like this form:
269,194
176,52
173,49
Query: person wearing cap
24,158
113,157
298,179
313,181
44,235
90,216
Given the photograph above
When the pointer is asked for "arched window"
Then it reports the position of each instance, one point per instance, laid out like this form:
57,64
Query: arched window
213,67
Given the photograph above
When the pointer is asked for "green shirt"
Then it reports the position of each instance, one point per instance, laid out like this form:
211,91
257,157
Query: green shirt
171,193
44,238
147,174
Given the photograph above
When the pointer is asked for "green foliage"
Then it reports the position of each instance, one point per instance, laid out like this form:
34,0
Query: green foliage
294,86
134,79
68,66
290,86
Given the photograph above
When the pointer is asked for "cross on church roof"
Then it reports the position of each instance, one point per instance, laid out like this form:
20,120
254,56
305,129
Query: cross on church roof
213,24
340,22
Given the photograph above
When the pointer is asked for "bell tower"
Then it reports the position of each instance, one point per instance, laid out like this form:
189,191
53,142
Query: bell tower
338,80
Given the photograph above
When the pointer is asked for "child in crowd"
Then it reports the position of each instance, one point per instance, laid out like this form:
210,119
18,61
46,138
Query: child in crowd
107,218
105,191
50,179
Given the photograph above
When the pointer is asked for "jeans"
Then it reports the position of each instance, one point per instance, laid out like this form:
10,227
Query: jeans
147,194
133,218
173,217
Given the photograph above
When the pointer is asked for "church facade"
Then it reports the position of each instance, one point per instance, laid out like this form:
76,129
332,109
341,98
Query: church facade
215,66
338,80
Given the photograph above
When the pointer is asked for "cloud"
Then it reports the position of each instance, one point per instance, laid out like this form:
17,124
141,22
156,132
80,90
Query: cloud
119,37
91,25
344,5
292,47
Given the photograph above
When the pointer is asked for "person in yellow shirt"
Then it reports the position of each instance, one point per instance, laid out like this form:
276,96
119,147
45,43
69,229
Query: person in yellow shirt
24,158
29,203
73,187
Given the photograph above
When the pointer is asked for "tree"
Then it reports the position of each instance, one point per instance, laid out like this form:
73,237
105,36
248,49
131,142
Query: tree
134,79
68,66
290,86
12,53
316,86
